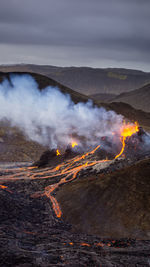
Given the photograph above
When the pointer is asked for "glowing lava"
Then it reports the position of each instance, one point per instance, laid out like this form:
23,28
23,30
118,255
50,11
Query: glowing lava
66,171
58,153
74,144
127,130
3,186
70,170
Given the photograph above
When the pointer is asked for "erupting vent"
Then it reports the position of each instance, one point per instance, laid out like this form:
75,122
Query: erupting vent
125,132
68,169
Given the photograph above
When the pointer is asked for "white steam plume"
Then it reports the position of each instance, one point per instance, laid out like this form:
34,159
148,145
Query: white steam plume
50,117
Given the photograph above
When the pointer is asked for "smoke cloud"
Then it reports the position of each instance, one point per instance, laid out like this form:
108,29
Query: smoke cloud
50,117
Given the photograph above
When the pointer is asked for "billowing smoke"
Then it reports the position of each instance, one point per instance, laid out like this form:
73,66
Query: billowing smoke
50,117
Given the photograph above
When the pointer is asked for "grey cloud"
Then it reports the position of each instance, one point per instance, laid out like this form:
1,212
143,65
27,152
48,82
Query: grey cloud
111,29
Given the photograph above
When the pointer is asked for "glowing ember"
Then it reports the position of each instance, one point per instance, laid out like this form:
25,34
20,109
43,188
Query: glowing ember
127,130
123,146
57,152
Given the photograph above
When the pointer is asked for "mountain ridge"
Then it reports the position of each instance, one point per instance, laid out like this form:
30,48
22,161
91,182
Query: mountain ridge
88,80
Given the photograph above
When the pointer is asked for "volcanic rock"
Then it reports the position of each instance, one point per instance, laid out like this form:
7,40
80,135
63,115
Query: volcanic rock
50,158
31,235
115,204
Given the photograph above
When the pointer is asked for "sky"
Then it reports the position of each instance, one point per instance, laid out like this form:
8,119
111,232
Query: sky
95,33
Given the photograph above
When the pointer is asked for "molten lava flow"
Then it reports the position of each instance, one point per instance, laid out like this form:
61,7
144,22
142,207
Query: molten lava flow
67,171
85,244
127,130
85,155
123,147
57,152
64,172
3,186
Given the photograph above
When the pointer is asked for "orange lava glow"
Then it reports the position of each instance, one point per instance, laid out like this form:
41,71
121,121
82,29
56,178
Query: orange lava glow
127,130
3,187
57,152
64,172
69,171
85,244
74,144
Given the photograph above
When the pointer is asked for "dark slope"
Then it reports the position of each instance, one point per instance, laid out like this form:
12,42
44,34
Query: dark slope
89,81
115,204
31,235
139,98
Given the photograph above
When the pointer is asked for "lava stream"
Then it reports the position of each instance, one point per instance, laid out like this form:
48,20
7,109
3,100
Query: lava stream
125,132
67,171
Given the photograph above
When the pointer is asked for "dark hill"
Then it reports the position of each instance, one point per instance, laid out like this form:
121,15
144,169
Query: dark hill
115,204
139,98
89,81
44,81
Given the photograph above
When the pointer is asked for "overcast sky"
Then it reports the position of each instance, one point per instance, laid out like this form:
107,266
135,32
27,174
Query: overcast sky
97,33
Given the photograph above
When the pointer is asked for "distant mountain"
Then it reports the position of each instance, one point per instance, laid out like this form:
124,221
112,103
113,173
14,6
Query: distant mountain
89,81
139,98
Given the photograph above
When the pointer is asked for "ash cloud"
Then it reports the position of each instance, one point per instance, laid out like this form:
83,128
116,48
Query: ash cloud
50,117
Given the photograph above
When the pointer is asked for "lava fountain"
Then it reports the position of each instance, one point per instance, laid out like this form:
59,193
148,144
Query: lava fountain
127,130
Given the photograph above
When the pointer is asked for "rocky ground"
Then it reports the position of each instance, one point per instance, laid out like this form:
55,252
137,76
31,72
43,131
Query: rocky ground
31,234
